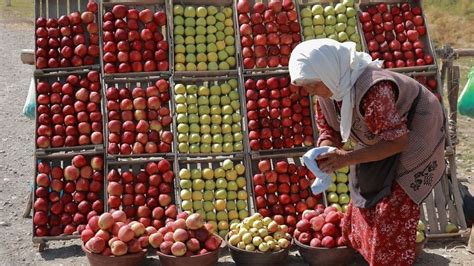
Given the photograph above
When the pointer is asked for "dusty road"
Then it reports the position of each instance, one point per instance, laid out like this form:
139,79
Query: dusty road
16,169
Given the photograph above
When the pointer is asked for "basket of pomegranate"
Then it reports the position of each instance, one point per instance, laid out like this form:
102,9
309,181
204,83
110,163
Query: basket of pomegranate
187,241
258,241
319,240
109,239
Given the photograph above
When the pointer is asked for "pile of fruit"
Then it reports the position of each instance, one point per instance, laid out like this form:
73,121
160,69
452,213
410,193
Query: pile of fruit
278,114
146,196
217,194
209,118
338,191
320,228
396,33
134,40
203,38
256,233
282,191
185,237
420,232
66,197
335,22
139,119
69,41
268,33
111,234
69,111
430,83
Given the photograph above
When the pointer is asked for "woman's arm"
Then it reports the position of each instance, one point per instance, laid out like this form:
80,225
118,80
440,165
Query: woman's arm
327,135
382,119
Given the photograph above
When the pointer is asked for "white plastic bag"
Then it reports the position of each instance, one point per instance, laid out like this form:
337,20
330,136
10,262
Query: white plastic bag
323,180
30,103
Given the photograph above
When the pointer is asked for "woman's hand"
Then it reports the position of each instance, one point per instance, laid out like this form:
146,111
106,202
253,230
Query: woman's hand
331,161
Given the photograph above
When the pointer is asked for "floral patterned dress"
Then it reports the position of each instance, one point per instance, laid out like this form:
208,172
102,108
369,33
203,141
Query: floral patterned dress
384,234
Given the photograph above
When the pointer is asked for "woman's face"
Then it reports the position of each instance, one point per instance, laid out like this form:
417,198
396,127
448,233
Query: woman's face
318,88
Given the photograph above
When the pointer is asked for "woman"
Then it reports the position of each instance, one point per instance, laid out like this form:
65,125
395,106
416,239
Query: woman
398,128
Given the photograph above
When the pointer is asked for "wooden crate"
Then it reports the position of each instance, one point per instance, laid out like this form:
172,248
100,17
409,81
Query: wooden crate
220,5
239,38
265,75
58,160
209,81
61,78
214,162
154,6
56,9
131,83
136,166
426,40
291,158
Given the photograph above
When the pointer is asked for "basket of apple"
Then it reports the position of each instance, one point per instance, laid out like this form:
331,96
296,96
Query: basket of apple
111,239
258,241
186,241
319,240
420,238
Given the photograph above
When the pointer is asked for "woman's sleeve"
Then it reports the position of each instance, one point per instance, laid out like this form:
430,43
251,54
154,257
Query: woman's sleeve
326,132
380,112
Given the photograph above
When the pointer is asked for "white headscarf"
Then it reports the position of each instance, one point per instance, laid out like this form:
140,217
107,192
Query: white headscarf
337,65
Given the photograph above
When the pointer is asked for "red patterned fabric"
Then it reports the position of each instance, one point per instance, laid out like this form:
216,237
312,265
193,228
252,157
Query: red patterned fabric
386,233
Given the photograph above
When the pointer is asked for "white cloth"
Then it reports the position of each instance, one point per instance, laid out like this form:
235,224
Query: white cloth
337,65
323,180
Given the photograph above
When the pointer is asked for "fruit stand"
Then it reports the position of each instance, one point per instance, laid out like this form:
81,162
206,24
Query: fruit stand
188,108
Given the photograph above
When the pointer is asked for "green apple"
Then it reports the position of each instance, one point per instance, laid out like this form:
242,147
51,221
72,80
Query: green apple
206,139
212,57
351,12
221,183
179,30
193,119
220,36
351,22
340,8
227,120
219,205
317,10
222,216
198,184
201,34
308,31
205,148
232,186
201,49
211,10
183,128
342,188
216,148
191,89
190,31
185,194
310,37
243,214
221,193
319,29
242,195
208,195
216,129
185,184
321,36
358,46
212,66
231,195
222,55
197,196
230,205
219,26
189,40
329,10
235,104
240,168
220,16
340,27
205,119
197,205
350,30
201,12
183,147
180,49
230,61
190,48
203,91
238,146
233,83
194,148
337,206
212,29
332,187
421,226
190,58
201,22
345,207
236,117
341,18
333,177
228,24
196,174
236,128
219,172
178,39
179,89
194,138
192,109
451,228
306,12
178,10
306,22
211,38
203,100
217,138
344,170
210,185
205,129
230,50
226,128
191,67
180,58
329,30
178,21
333,197
187,205
420,237
227,12
189,11
348,3
238,136
330,20
228,138
190,22
180,99
342,37
341,178
216,109
333,36
210,216
344,199
227,164
228,147
211,20
184,174
318,20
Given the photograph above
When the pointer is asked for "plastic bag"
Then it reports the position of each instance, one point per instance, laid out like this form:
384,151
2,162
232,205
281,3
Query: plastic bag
466,100
30,103
323,180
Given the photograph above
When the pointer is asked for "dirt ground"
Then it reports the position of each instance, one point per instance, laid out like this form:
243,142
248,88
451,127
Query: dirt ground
16,168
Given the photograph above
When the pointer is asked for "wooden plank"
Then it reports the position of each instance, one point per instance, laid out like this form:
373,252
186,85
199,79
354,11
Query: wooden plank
62,8
431,211
440,202
451,209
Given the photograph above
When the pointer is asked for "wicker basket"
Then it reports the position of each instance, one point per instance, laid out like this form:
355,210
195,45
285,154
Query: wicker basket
126,260
208,259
